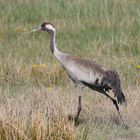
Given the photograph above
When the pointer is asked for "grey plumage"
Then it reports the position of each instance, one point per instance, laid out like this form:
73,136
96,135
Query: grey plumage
85,72
88,73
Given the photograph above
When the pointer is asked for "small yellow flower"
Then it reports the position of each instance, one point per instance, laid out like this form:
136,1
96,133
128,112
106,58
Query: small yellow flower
43,65
138,66
49,89
39,65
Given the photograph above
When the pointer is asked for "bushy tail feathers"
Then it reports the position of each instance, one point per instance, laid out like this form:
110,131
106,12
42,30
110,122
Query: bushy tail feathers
113,81
120,97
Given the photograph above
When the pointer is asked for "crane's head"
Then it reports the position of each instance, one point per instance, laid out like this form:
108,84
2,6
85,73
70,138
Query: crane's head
46,26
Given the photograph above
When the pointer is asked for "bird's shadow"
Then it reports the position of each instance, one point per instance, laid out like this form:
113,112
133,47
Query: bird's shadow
76,121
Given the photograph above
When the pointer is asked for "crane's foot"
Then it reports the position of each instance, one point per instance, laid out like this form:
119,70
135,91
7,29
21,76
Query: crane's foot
117,107
74,119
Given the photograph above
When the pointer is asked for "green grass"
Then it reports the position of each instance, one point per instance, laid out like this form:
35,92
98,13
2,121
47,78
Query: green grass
105,31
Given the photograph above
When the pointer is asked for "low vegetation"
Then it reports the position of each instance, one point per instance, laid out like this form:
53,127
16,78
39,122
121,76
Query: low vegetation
37,99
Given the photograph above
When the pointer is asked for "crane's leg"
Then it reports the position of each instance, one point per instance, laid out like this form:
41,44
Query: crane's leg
113,100
79,109
79,85
117,107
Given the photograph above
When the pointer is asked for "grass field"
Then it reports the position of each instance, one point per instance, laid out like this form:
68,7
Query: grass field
36,96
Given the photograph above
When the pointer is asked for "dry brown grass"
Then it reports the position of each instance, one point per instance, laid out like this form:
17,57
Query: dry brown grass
48,74
35,114
42,114
14,72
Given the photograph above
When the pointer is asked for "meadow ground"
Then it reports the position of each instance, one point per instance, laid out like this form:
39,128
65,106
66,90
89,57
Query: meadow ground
36,96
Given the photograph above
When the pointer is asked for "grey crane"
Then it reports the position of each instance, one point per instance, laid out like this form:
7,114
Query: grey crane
84,72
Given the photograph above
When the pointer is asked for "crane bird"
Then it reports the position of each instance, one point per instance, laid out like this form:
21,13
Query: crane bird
84,72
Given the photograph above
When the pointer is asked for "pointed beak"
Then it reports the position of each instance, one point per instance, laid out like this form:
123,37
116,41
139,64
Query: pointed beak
35,30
